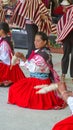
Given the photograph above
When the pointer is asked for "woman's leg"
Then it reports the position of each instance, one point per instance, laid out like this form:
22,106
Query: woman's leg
65,59
67,50
71,63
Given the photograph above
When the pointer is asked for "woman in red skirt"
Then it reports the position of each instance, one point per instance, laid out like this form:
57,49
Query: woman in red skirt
7,75
23,93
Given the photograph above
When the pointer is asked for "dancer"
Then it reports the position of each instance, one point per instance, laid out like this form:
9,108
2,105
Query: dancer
39,63
7,75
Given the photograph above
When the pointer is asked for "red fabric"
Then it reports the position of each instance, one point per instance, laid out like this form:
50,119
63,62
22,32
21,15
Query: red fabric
23,94
58,10
31,55
46,2
13,74
66,124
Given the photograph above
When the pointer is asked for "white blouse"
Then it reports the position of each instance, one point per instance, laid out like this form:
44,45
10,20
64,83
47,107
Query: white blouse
4,52
37,64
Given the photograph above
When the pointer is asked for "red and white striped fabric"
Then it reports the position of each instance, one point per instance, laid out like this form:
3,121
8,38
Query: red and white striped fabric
65,25
54,28
2,14
32,9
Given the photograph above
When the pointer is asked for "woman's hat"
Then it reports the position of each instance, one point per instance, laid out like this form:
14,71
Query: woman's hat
64,2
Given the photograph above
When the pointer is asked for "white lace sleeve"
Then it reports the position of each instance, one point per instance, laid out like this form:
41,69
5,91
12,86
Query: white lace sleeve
4,55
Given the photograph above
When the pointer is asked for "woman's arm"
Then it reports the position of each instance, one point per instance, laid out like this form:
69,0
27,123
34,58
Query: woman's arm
21,56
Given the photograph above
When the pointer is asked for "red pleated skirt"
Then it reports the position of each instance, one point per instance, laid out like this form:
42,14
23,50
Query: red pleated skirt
66,124
13,74
24,95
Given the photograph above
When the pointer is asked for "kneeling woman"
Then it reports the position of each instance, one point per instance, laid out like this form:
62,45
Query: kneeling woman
7,75
23,93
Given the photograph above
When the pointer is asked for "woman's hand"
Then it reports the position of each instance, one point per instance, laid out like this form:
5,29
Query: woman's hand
64,9
20,55
44,17
62,87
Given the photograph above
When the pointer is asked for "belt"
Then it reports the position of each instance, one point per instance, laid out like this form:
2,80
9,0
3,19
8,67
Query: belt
39,75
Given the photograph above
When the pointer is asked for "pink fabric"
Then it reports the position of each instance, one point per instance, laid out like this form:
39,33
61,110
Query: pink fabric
32,54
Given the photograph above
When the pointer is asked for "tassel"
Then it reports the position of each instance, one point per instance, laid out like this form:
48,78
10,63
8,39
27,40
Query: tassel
46,88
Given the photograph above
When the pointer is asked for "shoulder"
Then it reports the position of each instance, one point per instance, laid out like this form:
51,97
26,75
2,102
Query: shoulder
45,51
4,45
4,42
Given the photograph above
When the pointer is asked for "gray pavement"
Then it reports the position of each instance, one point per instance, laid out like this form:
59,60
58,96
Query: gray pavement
13,117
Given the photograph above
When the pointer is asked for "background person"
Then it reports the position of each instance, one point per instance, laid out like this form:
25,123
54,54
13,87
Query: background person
7,76
65,36
59,11
32,15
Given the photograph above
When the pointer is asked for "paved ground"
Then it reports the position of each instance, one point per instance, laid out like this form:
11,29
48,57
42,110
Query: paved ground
15,118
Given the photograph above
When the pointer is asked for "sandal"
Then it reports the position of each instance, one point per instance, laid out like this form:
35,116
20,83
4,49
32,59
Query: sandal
7,83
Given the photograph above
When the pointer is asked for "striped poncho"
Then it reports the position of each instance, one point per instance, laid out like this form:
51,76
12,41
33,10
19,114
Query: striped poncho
2,14
32,9
65,25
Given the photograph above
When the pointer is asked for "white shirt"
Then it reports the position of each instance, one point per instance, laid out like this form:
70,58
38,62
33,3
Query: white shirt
70,103
4,52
